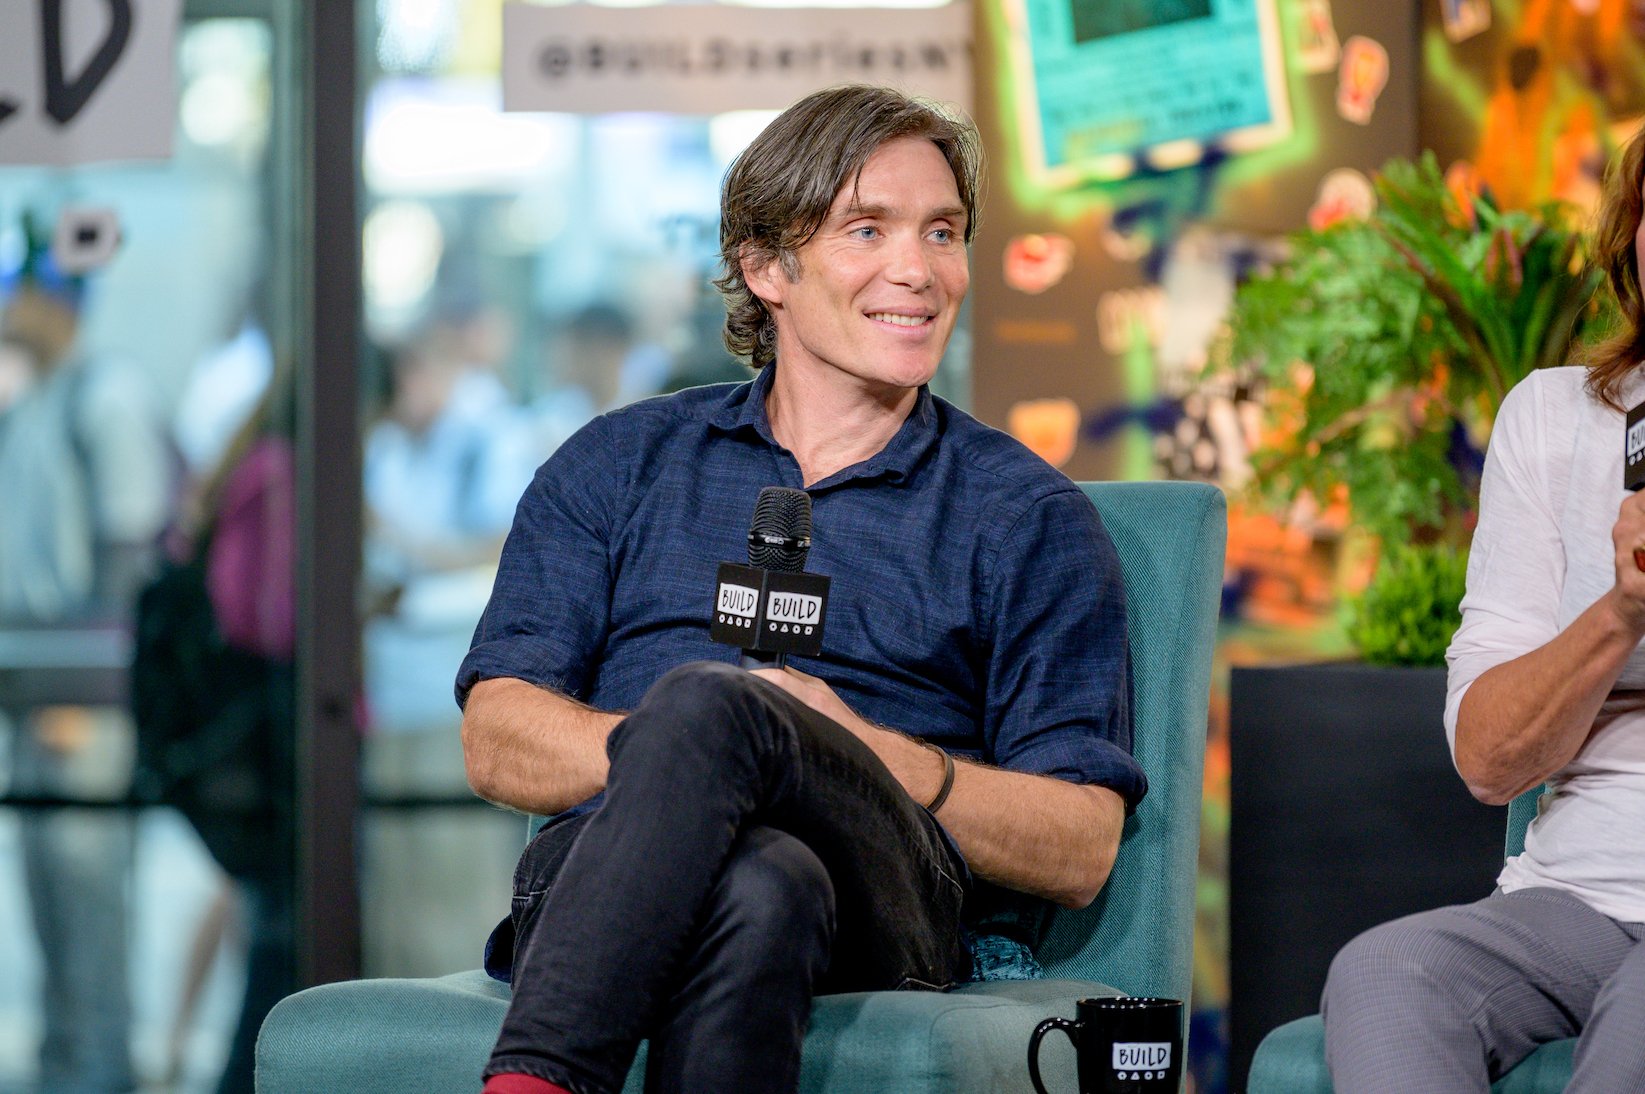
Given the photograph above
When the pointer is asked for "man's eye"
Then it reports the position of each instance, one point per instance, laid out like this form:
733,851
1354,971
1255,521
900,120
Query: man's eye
943,235
867,231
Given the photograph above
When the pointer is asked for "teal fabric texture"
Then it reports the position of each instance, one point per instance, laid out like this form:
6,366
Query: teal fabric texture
1291,1058
1521,812
433,1036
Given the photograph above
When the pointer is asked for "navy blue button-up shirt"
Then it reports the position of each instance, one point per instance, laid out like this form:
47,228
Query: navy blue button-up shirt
975,600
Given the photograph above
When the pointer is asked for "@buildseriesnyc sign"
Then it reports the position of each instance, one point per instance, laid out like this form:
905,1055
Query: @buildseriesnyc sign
712,58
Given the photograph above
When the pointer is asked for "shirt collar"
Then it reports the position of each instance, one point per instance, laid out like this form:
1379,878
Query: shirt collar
744,409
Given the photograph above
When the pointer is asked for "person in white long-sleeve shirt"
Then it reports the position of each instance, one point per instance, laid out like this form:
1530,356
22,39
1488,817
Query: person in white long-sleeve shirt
1546,688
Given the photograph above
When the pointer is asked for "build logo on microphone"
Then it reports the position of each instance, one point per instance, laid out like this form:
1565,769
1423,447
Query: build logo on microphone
768,610
1633,463
738,605
789,612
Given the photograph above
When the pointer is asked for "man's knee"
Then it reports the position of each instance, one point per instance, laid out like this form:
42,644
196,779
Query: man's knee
698,677
701,702
775,897
700,688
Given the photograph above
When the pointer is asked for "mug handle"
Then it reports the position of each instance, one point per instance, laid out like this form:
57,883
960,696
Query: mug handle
1067,1025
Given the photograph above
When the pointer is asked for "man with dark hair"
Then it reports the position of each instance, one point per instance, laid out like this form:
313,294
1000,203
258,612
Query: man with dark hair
729,844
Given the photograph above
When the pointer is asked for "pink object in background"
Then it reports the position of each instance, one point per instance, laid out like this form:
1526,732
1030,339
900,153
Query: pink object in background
250,566
1344,194
1034,263
1363,75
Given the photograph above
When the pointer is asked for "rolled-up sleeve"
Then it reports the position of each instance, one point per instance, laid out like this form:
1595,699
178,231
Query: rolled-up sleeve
547,617
1059,673
1516,566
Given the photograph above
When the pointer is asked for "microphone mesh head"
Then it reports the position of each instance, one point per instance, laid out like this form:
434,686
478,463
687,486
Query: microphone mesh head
782,513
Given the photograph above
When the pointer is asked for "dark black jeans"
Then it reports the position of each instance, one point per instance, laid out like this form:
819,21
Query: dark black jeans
749,854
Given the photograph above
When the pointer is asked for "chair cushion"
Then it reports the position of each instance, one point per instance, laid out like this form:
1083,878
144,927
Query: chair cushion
382,1035
433,1036
972,1039
1545,1071
1291,1060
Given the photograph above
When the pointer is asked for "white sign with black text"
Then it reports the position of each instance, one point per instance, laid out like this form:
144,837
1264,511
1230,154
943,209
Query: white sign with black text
84,81
709,58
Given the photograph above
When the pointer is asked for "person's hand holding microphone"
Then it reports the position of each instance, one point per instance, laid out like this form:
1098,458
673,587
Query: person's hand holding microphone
1628,533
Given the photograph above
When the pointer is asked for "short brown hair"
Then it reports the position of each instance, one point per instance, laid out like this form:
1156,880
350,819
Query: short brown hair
1610,362
779,190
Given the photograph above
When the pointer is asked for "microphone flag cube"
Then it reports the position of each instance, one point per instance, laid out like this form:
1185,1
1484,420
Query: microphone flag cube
769,611
1633,450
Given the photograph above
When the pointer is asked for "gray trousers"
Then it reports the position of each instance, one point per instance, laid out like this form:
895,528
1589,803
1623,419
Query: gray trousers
1449,1000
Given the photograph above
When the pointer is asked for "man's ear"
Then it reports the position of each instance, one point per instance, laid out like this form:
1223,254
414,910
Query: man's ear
765,279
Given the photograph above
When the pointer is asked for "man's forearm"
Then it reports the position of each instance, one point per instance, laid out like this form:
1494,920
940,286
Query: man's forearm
533,750
1032,833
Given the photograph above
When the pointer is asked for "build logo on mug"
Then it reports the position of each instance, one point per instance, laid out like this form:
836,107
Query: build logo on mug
1121,1046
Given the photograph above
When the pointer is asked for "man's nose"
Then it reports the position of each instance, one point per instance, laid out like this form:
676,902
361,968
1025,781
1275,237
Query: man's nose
909,263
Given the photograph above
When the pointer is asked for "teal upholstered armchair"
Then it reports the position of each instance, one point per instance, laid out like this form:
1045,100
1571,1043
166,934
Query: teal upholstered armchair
407,1036
1291,1059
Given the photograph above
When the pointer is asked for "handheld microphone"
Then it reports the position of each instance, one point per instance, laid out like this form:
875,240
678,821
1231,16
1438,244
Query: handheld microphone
772,607
779,537
1633,449
1633,464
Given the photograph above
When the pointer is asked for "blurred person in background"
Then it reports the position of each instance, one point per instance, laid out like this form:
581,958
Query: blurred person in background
442,470
223,387
85,489
212,686
444,464
704,360
582,371
596,362
16,374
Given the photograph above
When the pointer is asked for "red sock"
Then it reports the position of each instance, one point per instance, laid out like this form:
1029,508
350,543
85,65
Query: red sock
514,1083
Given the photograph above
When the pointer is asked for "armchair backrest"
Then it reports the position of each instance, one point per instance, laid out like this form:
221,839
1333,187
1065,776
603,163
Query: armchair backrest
1521,812
1138,934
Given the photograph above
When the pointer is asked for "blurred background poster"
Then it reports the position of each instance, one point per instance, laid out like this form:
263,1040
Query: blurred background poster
1104,83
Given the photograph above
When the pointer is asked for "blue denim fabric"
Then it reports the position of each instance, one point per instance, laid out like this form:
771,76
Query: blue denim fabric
750,853
976,601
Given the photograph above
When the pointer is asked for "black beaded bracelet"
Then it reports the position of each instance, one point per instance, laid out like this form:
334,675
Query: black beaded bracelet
947,777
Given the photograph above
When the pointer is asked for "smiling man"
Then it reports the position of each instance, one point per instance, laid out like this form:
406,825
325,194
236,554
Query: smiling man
728,844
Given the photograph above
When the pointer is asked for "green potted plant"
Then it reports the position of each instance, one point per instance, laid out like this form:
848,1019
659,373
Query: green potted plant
1384,346
1381,349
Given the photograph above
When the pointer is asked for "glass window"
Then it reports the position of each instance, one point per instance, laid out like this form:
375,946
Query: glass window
144,419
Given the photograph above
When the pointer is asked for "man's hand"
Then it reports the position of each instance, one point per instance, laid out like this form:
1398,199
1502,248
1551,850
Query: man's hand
915,766
816,694
1032,833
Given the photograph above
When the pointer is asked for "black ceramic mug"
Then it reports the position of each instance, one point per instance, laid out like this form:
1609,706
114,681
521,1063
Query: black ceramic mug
1123,1045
